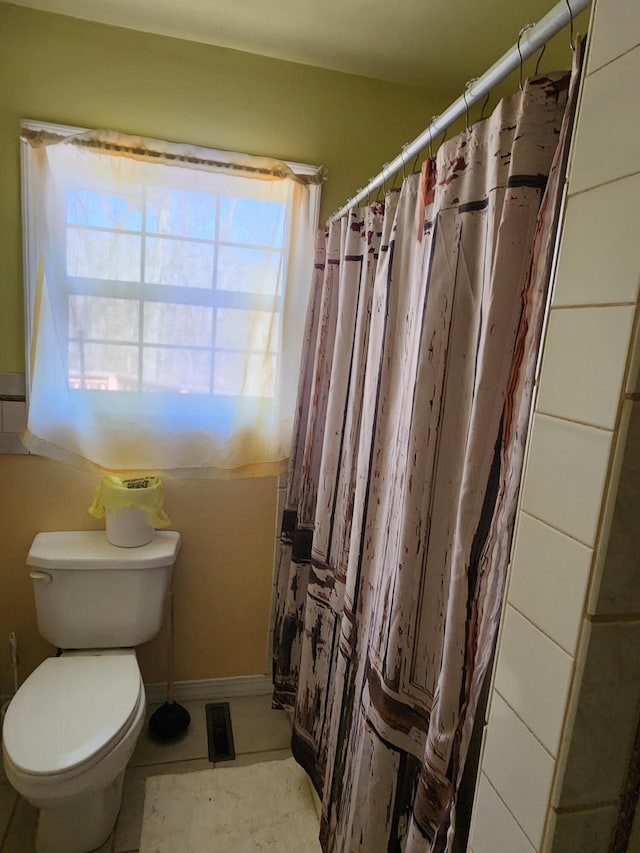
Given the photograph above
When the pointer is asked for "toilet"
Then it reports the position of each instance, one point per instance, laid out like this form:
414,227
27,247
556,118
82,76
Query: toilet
71,728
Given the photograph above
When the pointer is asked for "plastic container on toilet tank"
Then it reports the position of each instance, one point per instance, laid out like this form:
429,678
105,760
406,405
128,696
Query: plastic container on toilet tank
132,509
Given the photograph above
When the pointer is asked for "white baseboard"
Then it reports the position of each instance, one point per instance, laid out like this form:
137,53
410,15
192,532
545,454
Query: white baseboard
212,688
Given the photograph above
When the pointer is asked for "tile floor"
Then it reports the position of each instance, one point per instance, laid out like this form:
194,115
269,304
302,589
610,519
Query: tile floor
259,733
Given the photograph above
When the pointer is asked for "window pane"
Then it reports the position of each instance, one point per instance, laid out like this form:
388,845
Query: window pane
247,220
107,367
102,210
181,213
168,323
103,255
247,330
238,374
177,370
178,262
103,317
248,270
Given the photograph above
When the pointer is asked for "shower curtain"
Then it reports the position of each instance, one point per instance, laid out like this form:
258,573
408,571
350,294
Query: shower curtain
421,344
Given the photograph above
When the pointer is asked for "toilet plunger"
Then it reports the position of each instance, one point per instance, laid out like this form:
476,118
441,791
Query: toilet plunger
171,719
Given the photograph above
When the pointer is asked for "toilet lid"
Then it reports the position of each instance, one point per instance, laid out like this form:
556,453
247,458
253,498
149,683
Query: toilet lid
70,709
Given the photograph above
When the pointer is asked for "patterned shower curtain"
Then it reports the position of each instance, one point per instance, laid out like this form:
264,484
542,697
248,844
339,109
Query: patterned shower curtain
413,407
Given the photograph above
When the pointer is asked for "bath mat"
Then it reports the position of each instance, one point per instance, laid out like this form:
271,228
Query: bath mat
263,807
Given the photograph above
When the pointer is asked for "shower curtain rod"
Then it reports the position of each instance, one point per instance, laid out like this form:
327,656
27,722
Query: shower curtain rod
531,39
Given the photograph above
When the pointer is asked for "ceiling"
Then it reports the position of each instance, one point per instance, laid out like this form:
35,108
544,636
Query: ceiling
417,42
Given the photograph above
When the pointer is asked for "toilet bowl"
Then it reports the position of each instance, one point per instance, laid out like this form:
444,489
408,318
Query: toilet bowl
68,735
71,728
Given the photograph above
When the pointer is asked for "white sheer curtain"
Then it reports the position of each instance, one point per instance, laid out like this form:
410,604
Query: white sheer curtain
167,288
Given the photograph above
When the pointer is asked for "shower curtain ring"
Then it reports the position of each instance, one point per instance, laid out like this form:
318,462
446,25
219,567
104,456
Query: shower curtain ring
572,44
434,119
484,105
394,175
384,181
467,86
381,187
402,153
540,55
369,191
525,29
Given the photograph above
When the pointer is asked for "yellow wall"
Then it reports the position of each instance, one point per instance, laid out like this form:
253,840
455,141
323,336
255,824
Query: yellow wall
74,72
69,71
223,574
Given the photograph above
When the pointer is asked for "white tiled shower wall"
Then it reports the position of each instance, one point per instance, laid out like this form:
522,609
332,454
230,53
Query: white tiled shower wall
566,687
13,412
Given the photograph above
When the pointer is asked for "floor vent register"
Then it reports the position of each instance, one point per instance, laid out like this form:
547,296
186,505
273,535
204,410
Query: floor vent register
219,732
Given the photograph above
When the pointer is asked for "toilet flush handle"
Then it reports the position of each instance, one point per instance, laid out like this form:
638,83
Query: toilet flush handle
40,576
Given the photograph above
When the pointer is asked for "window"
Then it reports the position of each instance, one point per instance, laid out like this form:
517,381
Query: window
166,297
173,292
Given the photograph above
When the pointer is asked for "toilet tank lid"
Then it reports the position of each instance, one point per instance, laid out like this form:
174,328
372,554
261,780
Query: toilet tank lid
89,549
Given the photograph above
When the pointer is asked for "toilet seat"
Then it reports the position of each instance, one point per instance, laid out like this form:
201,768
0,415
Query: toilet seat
71,712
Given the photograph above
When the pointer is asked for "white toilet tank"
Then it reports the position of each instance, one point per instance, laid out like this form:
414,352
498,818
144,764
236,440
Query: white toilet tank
90,594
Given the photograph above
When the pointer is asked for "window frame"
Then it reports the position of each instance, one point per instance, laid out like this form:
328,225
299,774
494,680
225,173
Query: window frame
147,292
